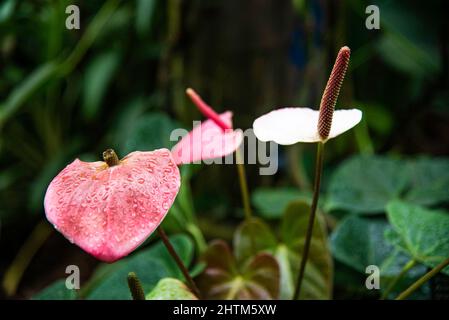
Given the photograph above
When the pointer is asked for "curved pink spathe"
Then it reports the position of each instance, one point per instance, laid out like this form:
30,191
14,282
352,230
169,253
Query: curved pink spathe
287,126
208,141
110,211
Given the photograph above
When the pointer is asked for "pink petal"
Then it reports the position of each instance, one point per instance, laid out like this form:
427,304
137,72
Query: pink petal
291,125
110,211
207,141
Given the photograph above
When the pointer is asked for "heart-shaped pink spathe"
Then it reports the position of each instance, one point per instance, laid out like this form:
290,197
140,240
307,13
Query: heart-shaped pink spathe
213,138
109,211
208,141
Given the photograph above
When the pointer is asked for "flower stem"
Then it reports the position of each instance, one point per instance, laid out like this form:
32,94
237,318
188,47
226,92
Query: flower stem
316,194
423,280
243,185
178,261
404,270
135,287
197,235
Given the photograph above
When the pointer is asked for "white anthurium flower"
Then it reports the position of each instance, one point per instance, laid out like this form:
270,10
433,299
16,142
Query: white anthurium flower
289,125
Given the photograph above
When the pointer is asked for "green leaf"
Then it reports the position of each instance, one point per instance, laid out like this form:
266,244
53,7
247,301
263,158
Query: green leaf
151,131
429,181
6,10
98,77
56,291
271,202
422,233
365,184
225,279
144,15
150,264
415,60
317,283
26,89
171,289
359,242
254,236
408,37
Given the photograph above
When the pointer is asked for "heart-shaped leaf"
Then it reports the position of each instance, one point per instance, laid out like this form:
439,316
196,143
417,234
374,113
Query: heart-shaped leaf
420,232
429,181
317,283
255,236
152,264
223,278
365,184
56,291
170,289
359,242
251,237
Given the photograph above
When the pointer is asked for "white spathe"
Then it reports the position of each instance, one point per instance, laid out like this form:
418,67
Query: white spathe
291,125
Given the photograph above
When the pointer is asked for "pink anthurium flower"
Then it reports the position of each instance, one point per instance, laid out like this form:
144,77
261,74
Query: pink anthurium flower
287,126
109,208
213,138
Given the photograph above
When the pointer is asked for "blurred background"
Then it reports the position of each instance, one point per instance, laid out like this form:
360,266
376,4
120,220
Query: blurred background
119,82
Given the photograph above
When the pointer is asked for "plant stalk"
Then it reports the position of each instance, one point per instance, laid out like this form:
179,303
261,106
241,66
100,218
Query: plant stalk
423,280
178,261
245,197
243,185
316,194
404,270
14,273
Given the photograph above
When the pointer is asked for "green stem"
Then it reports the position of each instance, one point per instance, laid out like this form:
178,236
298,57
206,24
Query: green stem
135,287
26,253
363,139
423,280
404,270
243,185
197,235
178,261
245,198
296,167
316,194
88,38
